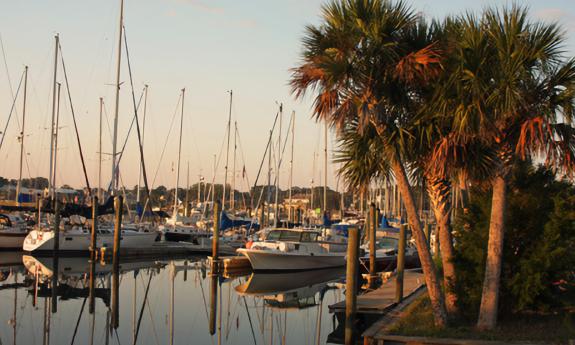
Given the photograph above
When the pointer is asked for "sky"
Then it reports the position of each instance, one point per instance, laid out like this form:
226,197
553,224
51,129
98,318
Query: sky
208,48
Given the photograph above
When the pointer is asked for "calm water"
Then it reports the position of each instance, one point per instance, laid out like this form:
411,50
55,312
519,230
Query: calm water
182,296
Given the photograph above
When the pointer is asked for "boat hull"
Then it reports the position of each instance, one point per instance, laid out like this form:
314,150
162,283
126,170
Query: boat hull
267,260
38,241
12,240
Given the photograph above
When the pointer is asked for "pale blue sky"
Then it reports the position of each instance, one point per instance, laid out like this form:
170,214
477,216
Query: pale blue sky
208,47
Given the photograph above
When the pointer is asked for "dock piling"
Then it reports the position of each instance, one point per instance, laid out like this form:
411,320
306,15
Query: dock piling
351,284
119,207
400,265
119,203
372,237
216,237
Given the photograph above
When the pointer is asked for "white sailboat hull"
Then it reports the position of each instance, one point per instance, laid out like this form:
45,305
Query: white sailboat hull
268,260
80,242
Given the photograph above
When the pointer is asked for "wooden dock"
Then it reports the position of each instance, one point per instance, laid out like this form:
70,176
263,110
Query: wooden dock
381,300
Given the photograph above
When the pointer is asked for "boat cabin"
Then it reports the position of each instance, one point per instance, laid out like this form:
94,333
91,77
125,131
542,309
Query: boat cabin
286,235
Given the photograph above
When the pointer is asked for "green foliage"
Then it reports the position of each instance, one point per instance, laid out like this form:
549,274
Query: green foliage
539,244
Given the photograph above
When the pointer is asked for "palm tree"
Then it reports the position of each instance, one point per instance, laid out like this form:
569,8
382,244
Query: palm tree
512,90
368,62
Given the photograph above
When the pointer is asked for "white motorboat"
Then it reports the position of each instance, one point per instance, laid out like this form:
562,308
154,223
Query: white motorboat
386,249
294,249
12,232
77,239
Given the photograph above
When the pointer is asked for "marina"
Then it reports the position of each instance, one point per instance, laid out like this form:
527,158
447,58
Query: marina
319,172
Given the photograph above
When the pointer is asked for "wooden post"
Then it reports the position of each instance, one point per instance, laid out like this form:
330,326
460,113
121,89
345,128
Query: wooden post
119,207
262,216
94,237
351,284
119,203
115,297
371,233
213,303
400,265
38,210
216,237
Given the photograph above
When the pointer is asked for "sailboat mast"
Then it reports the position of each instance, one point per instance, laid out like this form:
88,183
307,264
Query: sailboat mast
187,206
117,105
50,182
291,158
233,189
19,186
278,158
325,169
269,177
227,153
100,152
56,135
179,156
143,136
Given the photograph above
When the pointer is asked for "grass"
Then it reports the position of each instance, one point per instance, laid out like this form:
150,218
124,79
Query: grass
548,329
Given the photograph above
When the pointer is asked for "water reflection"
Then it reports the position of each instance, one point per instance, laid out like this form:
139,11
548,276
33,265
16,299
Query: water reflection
71,300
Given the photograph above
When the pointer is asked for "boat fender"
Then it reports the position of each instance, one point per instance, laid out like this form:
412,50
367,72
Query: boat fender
249,244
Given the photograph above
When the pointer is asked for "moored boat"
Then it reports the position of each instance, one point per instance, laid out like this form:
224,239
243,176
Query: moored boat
12,235
294,249
77,239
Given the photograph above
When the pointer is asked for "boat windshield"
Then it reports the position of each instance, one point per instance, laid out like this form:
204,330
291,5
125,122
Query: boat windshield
291,236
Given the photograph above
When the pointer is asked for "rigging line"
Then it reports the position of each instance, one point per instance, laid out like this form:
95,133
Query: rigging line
150,310
250,320
74,120
142,310
264,157
204,298
121,152
243,158
140,144
212,187
8,74
166,141
11,111
78,321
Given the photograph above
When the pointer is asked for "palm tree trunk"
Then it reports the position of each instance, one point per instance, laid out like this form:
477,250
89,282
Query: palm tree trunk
491,281
433,288
439,191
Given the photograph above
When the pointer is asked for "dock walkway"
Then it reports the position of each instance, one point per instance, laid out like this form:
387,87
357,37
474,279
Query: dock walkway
382,299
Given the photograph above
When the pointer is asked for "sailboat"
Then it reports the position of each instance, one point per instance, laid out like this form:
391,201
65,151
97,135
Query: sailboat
75,237
177,228
13,229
